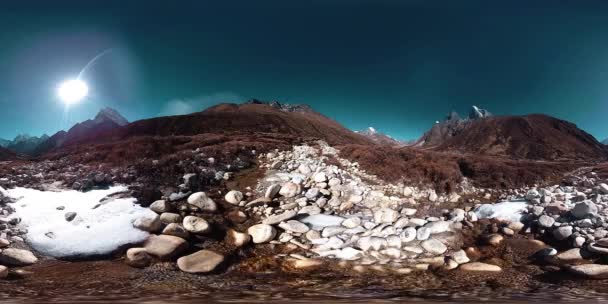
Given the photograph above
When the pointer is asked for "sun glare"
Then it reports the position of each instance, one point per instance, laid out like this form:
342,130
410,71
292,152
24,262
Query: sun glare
73,91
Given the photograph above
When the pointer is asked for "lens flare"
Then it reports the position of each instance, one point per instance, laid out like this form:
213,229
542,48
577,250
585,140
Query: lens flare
73,91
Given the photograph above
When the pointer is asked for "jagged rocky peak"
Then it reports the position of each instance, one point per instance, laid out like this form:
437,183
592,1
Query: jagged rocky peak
108,113
476,113
286,107
605,141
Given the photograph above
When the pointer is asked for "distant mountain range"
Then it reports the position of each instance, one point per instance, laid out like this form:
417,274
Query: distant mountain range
23,143
534,137
381,138
605,141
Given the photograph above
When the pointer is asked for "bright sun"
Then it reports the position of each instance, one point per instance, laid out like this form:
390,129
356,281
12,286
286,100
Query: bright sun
73,91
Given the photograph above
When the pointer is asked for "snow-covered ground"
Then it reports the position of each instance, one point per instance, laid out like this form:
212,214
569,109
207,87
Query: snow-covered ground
98,228
511,211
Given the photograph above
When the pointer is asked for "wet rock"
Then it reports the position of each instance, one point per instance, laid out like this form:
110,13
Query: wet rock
237,239
480,267
70,216
275,219
294,226
434,246
148,224
595,248
176,229
262,233
4,243
234,197
196,225
332,231
138,258
165,247
570,255
17,257
591,271
202,261
202,201
161,206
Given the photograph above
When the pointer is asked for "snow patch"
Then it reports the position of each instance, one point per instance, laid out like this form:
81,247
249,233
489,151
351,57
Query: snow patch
510,211
95,230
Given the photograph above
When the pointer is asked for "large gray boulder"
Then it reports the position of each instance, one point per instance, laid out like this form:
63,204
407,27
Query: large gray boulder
17,257
200,262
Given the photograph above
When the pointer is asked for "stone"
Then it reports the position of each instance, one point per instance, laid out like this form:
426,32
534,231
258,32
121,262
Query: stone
148,224
351,222
202,201
562,233
306,263
202,261
332,230
294,226
494,239
161,206
603,188
385,215
4,243
460,257
237,239
312,193
546,221
176,229
423,233
277,218
272,191
196,225
408,235
168,218
234,197
593,247
17,257
138,258
3,272
591,271
320,221
438,226
165,247
320,177
393,241
70,216
434,246
304,169
290,189
310,210
584,209
480,267
262,233
570,255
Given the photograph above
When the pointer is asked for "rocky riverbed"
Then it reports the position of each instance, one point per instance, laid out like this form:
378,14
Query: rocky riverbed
307,214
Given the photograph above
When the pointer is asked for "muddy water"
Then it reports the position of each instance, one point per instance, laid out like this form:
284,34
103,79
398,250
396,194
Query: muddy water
105,281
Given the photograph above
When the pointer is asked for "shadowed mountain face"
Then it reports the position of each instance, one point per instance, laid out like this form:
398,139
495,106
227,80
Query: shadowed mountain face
107,119
252,118
6,154
535,137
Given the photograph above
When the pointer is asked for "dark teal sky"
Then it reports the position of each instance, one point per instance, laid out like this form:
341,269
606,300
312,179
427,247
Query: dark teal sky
395,65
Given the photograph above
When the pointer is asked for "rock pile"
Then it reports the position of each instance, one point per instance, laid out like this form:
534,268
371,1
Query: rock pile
10,239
